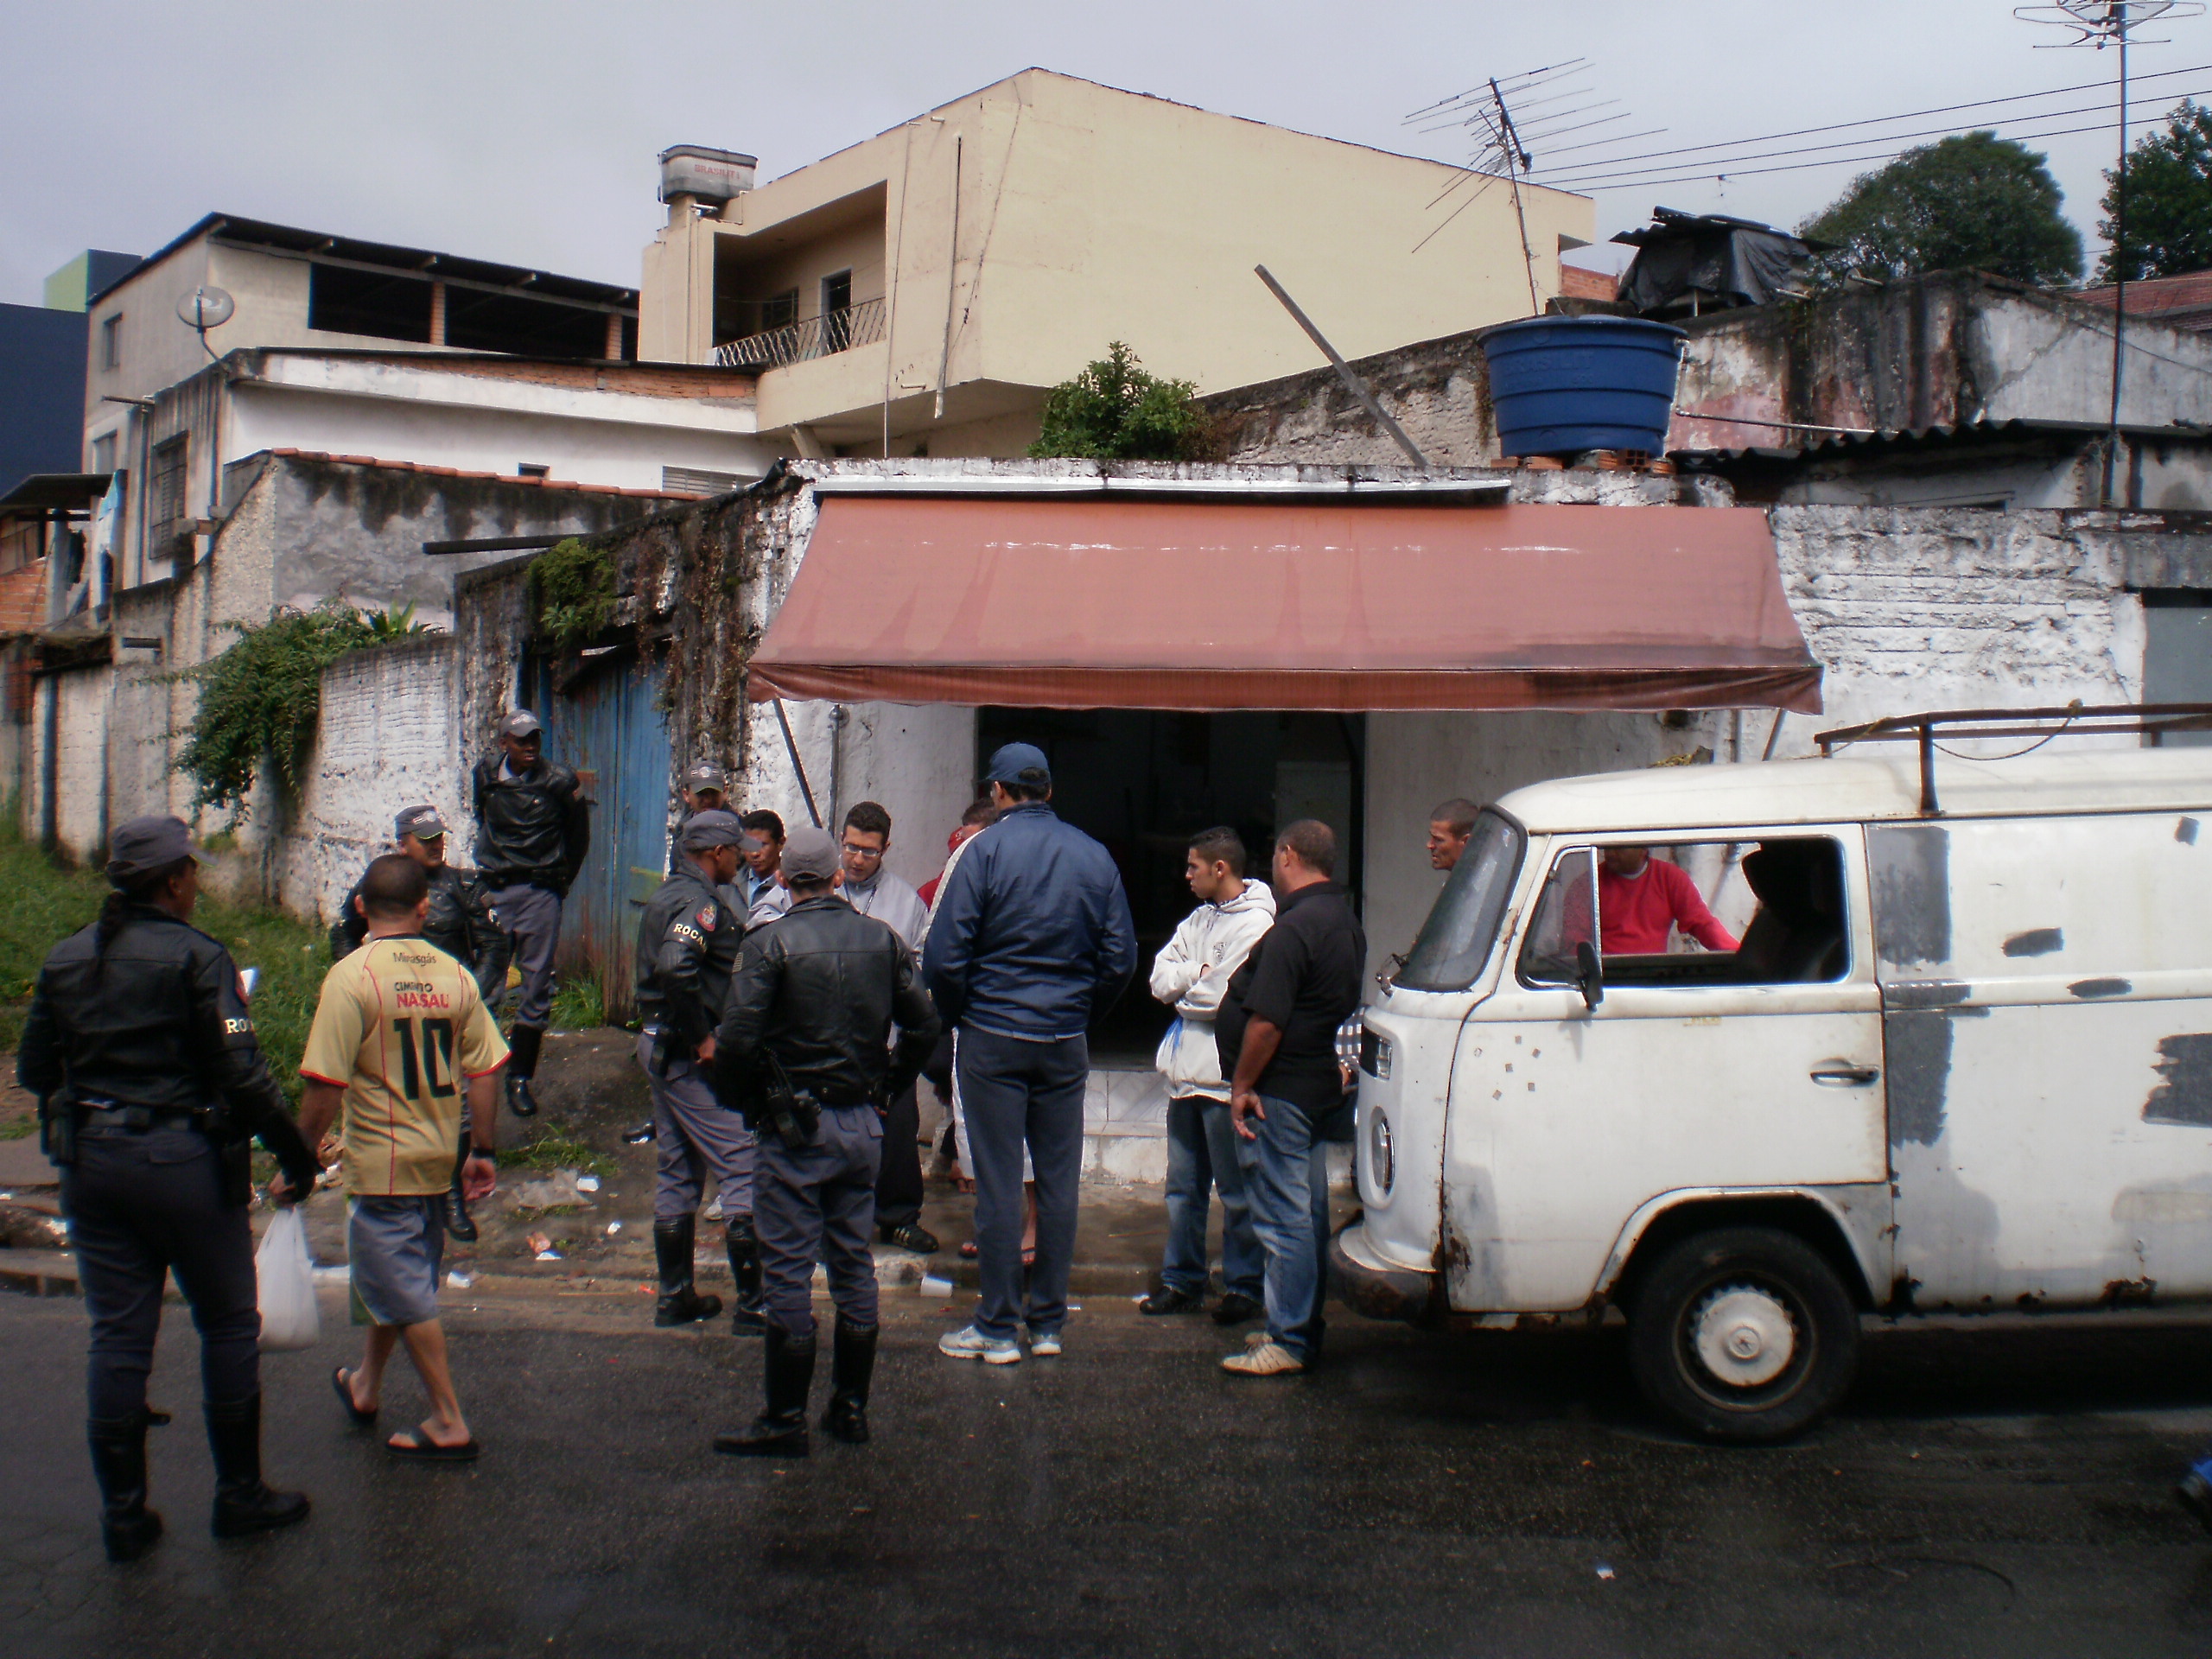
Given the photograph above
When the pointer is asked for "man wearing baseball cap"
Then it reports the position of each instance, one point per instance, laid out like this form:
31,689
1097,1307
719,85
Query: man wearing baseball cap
533,828
1031,935
813,1003
687,945
463,922
141,1051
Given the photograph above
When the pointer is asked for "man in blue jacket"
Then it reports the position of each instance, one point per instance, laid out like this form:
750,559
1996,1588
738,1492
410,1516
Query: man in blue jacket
1031,935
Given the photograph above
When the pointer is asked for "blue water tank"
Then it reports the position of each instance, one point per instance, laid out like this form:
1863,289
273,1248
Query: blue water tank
1559,385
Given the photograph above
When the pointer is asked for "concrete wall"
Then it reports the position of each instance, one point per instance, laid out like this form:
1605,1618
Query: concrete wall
388,737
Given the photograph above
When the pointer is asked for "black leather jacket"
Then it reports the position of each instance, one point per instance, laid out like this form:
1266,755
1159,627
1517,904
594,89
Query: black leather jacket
462,924
687,943
157,1021
820,988
531,831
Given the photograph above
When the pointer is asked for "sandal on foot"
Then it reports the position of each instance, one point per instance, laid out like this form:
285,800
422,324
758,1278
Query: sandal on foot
967,1249
343,1383
416,1447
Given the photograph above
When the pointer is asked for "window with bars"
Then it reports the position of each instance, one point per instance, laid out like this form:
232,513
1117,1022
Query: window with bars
166,519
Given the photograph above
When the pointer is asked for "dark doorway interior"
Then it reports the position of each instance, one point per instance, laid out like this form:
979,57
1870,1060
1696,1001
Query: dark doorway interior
1143,781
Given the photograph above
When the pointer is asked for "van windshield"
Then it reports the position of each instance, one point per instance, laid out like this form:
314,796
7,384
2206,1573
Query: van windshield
1455,942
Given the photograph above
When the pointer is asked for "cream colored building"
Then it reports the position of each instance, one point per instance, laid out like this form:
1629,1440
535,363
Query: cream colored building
919,292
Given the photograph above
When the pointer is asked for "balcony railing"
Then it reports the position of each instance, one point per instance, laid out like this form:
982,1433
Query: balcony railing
795,342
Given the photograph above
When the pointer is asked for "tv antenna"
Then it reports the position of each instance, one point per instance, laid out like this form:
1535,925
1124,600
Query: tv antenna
1504,112
204,308
2098,24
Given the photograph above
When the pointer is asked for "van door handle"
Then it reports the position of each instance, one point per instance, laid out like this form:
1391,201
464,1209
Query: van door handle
1846,1077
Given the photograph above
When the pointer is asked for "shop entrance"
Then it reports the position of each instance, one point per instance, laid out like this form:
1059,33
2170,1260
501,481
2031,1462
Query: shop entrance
1143,781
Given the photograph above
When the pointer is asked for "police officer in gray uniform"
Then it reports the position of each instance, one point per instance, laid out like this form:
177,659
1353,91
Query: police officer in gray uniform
687,944
141,1051
533,828
463,922
806,1040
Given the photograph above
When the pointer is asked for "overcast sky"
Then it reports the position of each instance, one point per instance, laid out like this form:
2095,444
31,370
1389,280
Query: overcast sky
527,132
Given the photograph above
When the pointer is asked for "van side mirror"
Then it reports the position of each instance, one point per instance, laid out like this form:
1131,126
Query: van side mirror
1589,975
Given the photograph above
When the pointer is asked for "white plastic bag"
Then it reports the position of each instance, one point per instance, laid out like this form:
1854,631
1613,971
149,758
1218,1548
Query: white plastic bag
286,1275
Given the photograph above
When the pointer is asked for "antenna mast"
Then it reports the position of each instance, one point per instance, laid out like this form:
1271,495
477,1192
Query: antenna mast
2097,24
1516,163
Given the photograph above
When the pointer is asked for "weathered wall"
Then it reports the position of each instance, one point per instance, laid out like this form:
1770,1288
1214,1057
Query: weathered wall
1437,390
387,739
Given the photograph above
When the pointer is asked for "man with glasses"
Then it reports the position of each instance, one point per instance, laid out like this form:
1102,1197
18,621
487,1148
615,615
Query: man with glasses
873,891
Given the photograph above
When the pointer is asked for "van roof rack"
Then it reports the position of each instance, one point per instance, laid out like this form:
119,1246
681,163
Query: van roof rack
2074,719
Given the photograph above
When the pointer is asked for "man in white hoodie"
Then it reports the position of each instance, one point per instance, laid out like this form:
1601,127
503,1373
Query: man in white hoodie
1192,974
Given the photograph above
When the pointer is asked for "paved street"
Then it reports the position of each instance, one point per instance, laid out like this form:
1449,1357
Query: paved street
1992,1492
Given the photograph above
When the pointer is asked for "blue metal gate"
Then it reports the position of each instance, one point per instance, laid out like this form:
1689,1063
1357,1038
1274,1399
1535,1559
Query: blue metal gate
608,725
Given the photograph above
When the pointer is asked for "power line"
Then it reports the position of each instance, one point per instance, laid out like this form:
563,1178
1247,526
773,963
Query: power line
1584,175
1908,115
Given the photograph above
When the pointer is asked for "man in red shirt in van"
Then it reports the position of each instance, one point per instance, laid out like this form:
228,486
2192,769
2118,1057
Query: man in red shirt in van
1640,897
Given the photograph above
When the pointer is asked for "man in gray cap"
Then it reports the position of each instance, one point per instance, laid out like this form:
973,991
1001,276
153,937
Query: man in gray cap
463,922
687,944
533,828
1031,936
141,1051
805,1045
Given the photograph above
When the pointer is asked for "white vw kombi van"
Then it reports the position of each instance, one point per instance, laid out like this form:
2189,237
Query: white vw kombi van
1961,1059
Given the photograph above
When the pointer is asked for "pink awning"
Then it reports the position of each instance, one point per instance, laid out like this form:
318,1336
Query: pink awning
1208,604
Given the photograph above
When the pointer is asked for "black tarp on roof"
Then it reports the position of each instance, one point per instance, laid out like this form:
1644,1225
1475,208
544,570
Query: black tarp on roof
1687,263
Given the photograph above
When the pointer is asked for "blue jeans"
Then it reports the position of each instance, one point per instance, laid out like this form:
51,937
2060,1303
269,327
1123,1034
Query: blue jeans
1202,1153
1018,1093
1286,1178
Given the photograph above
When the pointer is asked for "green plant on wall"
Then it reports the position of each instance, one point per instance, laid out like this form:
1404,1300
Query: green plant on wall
260,700
572,592
1116,410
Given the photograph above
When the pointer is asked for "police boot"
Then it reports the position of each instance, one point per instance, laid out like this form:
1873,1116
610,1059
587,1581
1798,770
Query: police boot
852,1363
523,1045
458,1222
243,1505
749,1317
780,1429
127,1526
679,1304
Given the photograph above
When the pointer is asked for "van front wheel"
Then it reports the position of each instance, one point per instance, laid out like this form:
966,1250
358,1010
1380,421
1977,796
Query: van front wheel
1743,1333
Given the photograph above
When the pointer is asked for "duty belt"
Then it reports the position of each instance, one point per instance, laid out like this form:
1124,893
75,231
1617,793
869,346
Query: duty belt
137,1120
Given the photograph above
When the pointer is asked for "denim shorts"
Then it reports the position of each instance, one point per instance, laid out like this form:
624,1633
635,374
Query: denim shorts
394,1246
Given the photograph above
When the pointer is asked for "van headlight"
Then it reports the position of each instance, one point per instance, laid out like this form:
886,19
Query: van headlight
1380,1163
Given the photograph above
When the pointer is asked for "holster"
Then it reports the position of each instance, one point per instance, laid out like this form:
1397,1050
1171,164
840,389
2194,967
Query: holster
57,1130
656,1057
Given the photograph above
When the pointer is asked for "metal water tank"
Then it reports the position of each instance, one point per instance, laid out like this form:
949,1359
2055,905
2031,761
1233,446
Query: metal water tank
709,175
1561,385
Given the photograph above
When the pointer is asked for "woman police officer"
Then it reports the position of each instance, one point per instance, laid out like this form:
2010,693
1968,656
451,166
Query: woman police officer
151,1084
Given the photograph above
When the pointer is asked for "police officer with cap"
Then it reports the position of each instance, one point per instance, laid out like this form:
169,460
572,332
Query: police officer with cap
463,922
806,1040
687,944
151,1085
532,830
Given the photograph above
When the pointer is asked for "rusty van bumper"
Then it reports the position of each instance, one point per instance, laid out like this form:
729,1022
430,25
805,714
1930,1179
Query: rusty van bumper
1377,1288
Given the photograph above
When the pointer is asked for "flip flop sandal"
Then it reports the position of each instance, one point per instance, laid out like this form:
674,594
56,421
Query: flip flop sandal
417,1447
967,1249
344,1384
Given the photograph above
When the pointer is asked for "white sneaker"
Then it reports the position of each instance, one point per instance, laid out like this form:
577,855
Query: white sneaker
968,1343
1045,1344
1267,1359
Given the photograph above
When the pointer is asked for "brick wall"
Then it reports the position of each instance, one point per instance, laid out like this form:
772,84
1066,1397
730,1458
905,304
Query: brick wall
22,598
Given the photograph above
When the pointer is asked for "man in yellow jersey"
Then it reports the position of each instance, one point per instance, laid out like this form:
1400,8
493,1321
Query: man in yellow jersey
400,1032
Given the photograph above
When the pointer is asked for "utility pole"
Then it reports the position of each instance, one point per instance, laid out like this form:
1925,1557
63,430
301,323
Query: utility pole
2097,24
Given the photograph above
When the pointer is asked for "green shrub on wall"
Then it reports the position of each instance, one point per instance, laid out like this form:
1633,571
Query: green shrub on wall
260,699
572,592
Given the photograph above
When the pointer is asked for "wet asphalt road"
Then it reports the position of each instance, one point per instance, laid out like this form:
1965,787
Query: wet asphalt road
1997,1492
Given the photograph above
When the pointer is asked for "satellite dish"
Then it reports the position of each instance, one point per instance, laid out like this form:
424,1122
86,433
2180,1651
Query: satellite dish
206,308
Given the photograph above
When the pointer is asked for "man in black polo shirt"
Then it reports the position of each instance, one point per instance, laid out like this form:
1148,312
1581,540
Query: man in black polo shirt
1277,1032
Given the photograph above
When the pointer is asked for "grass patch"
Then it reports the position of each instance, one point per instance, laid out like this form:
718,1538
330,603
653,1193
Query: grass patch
553,1148
48,901
578,1003
19,1128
